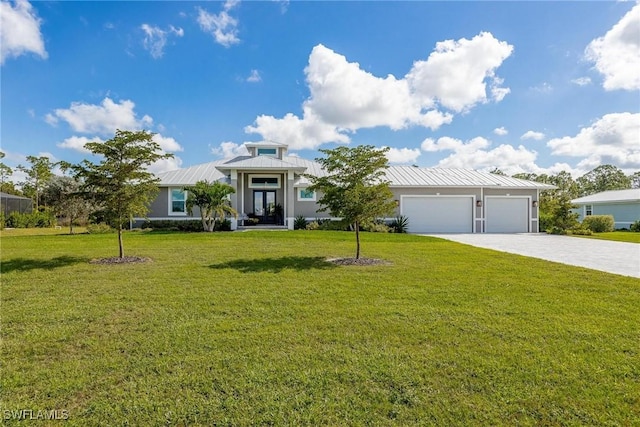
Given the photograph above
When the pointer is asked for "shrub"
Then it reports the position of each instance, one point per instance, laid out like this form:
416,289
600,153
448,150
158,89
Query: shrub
29,220
1,220
556,230
224,225
581,231
101,228
378,227
635,226
399,224
330,225
313,225
300,223
599,223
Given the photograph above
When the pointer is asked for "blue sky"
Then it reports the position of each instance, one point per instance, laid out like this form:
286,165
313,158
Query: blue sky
521,86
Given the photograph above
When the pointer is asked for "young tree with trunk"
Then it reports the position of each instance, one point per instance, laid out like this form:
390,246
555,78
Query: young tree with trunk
354,187
63,195
213,201
120,185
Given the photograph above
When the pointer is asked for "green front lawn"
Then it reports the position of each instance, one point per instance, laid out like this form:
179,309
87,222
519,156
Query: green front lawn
617,236
257,328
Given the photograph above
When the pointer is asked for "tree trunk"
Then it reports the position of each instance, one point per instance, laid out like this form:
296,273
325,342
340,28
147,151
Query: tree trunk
204,221
357,240
120,240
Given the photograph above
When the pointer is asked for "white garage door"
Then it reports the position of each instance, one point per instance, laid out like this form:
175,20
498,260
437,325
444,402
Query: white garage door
438,214
506,215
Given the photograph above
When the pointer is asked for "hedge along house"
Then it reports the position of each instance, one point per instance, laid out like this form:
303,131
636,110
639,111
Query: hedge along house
623,205
271,190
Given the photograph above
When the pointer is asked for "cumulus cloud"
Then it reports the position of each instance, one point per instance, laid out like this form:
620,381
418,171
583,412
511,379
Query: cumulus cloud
19,31
228,150
612,139
530,134
223,27
155,38
167,143
477,153
456,73
77,143
345,98
102,119
254,77
403,155
501,131
617,54
165,165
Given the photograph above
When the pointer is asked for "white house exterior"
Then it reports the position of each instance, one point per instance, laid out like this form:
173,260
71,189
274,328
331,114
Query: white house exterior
623,205
435,200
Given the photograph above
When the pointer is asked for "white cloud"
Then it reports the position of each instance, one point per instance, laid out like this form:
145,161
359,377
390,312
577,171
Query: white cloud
77,143
223,27
345,98
254,77
165,165
543,87
167,143
456,73
530,134
155,38
475,154
612,139
617,54
501,131
19,31
582,81
228,150
403,155
103,119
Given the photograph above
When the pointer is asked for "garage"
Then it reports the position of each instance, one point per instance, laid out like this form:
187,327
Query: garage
507,215
438,214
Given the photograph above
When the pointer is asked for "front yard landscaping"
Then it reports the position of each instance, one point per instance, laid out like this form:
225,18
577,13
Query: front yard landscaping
258,328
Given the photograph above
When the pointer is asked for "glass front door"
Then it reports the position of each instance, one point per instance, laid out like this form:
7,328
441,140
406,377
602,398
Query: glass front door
264,206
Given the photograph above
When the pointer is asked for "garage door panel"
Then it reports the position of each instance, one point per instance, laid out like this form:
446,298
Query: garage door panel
438,214
507,215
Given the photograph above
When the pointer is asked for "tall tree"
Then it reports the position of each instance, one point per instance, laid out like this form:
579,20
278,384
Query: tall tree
6,186
634,179
603,178
354,187
38,175
120,185
63,195
212,200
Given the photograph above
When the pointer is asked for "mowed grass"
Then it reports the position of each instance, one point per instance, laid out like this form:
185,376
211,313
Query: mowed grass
616,236
257,328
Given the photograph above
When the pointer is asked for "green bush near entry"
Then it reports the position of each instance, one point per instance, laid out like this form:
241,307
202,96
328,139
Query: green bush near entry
599,223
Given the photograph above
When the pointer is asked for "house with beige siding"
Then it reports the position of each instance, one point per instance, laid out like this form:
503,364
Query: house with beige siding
271,190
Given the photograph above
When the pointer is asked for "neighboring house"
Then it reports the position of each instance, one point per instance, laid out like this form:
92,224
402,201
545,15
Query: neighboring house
12,203
624,205
435,200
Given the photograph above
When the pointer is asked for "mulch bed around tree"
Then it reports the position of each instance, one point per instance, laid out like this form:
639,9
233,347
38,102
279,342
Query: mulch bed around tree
118,260
358,261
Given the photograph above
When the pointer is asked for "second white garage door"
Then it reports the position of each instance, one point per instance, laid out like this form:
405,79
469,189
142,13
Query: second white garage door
507,215
438,214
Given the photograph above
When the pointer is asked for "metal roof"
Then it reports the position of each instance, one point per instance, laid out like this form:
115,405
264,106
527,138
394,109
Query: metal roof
399,176
631,195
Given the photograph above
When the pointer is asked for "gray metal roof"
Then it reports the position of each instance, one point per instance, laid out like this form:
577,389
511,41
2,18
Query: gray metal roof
399,176
631,195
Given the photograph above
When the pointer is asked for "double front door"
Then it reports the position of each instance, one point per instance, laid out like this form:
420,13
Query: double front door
264,206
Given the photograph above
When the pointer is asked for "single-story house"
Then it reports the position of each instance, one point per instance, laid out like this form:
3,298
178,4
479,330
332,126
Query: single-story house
12,203
624,205
271,189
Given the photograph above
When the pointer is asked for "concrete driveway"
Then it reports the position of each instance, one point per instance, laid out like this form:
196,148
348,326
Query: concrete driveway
604,255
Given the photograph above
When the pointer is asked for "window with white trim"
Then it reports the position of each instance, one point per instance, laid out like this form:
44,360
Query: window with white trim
177,201
264,181
588,210
305,195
